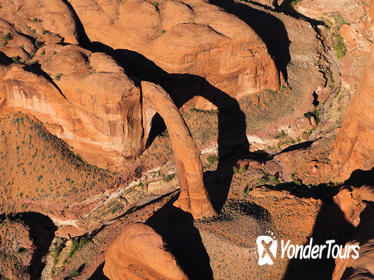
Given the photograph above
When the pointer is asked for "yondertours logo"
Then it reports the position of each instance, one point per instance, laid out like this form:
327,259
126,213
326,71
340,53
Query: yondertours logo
267,247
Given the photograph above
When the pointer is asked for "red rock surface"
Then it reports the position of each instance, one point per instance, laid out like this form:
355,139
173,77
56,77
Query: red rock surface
353,148
190,36
85,98
34,18
269,3
371,19
139,253
193,198
93,106
350,10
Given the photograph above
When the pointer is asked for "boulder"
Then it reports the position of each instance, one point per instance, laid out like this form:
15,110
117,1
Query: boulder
140,253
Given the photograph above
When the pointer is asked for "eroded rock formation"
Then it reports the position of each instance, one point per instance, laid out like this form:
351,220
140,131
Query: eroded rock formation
85,98
139,253
38,17
354,147
193,198
350,10
90,103
191,37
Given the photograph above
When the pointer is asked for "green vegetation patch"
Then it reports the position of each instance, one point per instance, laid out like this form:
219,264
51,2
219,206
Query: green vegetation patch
6,38
338,45
334,22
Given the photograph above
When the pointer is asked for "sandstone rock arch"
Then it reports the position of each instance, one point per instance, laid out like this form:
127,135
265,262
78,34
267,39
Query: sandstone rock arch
193,197
113,119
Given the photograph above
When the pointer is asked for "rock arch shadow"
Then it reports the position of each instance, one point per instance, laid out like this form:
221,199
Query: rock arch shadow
99,274
183,240
271,30
287,8
330,225
360,177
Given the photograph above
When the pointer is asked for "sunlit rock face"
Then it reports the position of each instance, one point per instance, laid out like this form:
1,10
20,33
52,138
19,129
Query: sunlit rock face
139,253
186,37
90,103
354,148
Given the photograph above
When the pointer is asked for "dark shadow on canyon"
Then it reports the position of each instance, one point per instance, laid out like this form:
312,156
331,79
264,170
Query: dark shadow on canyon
35,68
183,240
323,191
271,30
299,146
5,60
82,37
99,274
287,8
360,177
330,225
41,231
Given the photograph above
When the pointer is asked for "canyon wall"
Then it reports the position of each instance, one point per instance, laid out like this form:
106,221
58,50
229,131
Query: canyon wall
354,147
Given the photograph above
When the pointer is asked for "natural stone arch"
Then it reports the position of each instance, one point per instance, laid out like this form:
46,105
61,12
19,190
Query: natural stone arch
193,197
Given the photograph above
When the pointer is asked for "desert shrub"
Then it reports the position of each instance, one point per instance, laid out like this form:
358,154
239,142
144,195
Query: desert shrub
6,39
273,179
243,169
212,159
78,244
58,76
168,178
295,2
56,252
74,273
